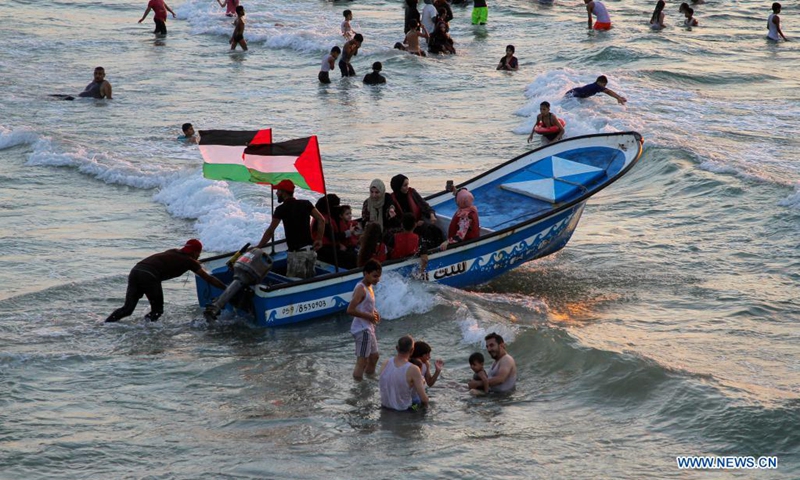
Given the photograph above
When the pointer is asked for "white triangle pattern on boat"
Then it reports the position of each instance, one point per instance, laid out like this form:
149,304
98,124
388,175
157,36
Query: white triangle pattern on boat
563,168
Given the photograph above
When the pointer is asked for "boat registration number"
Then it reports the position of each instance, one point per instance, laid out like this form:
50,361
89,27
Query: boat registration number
304,307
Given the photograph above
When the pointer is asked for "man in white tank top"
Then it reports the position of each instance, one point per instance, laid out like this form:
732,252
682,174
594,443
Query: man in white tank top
774,24
400,379
599,10
503,374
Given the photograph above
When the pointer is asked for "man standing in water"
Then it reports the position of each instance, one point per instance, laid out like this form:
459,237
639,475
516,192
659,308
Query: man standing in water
160,8
503,374
774,24
597,8
400,379
350,50
146,277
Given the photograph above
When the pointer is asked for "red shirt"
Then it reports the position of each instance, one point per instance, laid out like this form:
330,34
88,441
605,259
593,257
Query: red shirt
159,8
405,244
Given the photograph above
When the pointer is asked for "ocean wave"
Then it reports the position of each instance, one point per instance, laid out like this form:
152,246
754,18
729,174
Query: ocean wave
13,137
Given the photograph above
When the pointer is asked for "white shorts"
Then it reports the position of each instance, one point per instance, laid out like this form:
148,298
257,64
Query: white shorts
366,343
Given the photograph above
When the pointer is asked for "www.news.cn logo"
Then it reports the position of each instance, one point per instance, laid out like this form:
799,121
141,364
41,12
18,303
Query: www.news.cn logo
732,463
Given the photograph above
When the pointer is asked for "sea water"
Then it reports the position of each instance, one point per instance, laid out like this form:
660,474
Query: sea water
668,325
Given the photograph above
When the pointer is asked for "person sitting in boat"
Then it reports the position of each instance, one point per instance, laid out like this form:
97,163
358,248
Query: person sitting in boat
547,120
465,224
406,199
295,215
146,276
347,234
372,246
328,207
406,243
378,208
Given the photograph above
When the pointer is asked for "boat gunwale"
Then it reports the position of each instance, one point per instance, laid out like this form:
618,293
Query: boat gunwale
469,243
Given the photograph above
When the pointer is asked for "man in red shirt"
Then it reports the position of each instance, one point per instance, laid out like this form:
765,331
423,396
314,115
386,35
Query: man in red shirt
160,8
146,277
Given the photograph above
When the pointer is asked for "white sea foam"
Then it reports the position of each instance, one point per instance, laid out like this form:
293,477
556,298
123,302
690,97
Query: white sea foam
671,118
396,296
19,136
473,329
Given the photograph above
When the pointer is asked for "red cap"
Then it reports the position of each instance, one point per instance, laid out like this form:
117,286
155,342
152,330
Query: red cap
192,246
285,185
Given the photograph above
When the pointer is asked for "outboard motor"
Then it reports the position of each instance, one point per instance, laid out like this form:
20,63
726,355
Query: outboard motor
248,270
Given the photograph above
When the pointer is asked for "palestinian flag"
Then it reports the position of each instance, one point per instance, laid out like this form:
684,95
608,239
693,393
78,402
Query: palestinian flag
223,152
296,160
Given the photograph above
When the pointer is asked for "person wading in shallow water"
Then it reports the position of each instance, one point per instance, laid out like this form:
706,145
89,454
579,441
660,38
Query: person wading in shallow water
146,277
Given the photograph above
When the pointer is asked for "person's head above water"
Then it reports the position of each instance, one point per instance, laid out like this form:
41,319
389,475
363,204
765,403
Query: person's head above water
776,7
601,80
359,38
99,74
377,66
188,129
240,11
657,11
510,49
348,15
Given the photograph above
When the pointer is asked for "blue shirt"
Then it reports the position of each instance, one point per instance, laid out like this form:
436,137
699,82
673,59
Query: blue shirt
586,90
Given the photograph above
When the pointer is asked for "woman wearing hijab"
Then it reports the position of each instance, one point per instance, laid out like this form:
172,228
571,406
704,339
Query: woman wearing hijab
465,224
406,199
378,208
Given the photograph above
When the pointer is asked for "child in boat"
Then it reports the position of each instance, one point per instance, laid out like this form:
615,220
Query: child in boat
547,119
476,362
371,246
465,224
365,318
406,243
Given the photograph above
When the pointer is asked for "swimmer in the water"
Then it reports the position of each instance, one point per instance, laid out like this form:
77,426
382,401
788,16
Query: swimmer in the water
476,362
347,30
238,30
509,62
412,39
690,20
328,64
657,19
189,136
547,119
599,86
230,7
774,24
375,78
160,18
99,88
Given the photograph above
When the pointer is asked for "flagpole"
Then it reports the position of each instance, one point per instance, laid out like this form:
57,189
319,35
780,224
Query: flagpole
272,213
328,205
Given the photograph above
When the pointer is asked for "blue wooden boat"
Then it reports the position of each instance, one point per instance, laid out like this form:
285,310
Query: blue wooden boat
529,208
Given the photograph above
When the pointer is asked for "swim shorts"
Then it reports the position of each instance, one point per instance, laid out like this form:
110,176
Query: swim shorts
366,343
602,26
161,27
324,77
346,69
479,15
237,38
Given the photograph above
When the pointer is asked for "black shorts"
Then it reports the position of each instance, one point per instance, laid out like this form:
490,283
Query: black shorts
161,27
324,77
346,69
